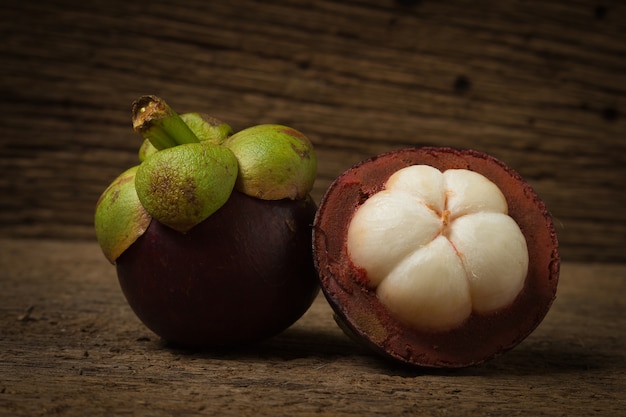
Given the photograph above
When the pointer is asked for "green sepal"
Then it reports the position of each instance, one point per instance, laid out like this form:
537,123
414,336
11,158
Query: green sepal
183,185
120,218
207,128
275,162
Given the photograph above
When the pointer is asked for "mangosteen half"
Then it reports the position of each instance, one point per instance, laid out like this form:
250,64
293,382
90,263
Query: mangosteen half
436,257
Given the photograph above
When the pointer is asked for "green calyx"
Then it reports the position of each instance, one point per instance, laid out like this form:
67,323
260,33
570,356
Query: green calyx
205,127
185,175
190,164
120,217
183,178
275,162
183,185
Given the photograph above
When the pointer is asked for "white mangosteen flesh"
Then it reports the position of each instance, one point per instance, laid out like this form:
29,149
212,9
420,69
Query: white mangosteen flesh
438,247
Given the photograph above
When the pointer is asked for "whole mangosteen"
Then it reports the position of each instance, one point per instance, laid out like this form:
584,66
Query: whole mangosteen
210,234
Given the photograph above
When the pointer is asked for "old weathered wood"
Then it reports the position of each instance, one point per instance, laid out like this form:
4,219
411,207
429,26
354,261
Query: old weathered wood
538,84
71,346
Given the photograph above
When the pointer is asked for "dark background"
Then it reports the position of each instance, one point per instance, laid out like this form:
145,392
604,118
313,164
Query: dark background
540,85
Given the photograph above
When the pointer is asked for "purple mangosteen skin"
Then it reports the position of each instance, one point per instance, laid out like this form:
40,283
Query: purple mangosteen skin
244,274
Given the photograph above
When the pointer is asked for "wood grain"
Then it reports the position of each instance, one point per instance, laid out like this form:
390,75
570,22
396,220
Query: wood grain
71,346
538,84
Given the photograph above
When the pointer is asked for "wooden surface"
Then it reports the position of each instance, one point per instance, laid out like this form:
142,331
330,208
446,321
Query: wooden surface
70,346
538,84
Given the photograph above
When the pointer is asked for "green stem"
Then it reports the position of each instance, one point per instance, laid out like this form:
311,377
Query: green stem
155,120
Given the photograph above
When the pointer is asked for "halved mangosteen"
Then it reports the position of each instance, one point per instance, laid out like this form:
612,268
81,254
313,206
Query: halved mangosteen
436,257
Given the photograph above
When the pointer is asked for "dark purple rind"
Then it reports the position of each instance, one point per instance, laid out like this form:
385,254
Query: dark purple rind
481,337
243,275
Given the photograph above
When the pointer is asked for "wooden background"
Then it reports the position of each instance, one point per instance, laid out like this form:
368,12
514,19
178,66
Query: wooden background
540,84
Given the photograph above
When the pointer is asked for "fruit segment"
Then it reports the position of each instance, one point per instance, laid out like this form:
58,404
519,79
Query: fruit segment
438,246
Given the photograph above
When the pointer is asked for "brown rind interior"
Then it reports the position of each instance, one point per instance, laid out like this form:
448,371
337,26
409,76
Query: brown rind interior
481,337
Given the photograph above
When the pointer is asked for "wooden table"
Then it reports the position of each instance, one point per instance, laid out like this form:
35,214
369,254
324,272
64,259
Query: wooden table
70,345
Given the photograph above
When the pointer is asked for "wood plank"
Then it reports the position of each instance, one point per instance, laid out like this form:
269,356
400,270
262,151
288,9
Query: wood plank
70,345
538,84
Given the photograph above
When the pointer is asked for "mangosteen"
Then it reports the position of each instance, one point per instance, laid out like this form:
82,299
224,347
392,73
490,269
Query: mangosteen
436,257
210,233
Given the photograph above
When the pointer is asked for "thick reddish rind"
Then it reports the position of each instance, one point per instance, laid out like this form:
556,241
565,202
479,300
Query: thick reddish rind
481,337
244,274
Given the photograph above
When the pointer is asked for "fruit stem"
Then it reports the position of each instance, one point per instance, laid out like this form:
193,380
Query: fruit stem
155,120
